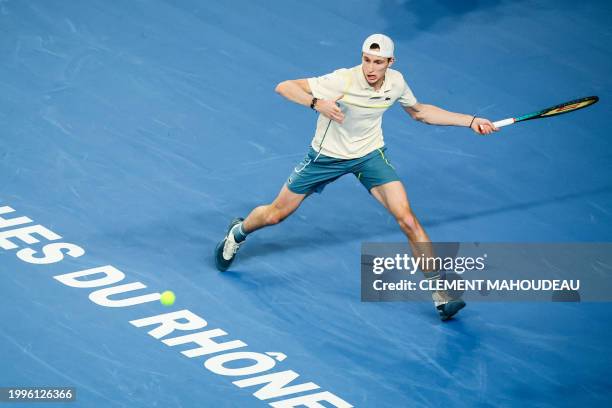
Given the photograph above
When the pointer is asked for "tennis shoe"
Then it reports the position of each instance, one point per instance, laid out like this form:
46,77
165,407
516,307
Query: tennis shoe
226,249
446,305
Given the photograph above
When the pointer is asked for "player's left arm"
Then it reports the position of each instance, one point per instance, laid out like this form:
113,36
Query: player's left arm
433,115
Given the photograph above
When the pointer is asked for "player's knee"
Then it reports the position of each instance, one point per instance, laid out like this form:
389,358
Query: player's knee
273,219
407,221
274,216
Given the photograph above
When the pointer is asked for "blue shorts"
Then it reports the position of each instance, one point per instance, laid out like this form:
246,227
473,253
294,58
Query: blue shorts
373,169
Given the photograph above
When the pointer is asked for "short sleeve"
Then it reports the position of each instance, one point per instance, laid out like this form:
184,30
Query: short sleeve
407,98
328,86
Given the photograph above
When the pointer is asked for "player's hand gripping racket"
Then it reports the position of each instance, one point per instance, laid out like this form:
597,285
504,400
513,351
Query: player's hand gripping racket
552,111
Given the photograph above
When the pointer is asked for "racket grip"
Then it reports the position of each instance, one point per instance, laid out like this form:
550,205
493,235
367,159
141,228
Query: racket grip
505,122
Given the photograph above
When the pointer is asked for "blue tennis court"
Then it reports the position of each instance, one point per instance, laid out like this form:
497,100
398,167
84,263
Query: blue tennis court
133,132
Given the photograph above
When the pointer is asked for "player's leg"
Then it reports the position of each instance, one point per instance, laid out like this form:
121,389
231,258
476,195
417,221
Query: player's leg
308,176
393,197
378,176
283,205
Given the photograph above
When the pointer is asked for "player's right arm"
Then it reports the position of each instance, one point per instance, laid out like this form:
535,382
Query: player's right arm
298,91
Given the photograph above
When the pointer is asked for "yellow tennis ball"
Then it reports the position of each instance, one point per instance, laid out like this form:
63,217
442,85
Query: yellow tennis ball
167,298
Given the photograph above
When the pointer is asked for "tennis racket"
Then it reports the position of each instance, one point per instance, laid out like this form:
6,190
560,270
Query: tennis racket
552,111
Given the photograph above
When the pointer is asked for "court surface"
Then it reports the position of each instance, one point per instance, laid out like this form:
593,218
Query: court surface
137,130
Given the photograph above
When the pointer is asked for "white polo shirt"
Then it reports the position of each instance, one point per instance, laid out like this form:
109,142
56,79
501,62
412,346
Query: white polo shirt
363,107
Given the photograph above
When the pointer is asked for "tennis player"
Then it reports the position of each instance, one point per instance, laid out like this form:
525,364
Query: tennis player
349,139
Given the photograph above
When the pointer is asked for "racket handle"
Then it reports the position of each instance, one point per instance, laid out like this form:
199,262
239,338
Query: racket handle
505,122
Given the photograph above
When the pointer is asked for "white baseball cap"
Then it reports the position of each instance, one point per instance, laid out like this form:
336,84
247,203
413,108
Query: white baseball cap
384,43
